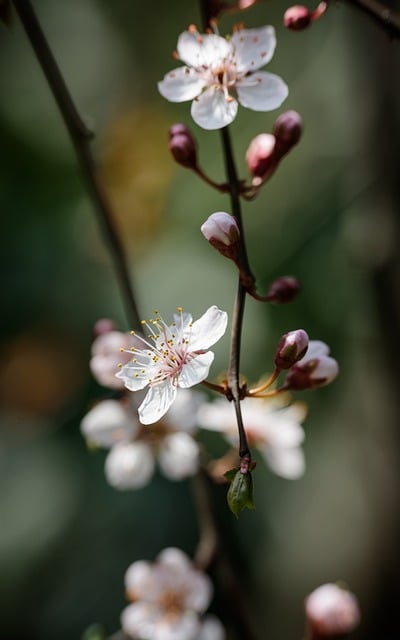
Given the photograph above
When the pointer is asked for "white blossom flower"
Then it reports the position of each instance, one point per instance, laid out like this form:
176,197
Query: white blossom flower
130,464
316,369
271,426
215,67
173,356
106,355
168,597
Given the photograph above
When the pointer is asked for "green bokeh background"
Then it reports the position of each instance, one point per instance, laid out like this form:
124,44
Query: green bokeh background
330,216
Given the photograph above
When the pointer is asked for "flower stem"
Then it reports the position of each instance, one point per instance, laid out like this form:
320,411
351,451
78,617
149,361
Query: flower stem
265,385
80,136
238,312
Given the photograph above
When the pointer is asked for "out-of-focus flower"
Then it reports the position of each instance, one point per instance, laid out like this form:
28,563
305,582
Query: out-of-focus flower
173,356
332,612
272,426
216,67
169,598
107,355
315,369
130,464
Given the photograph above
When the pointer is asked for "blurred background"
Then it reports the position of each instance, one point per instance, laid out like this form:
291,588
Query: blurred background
330,216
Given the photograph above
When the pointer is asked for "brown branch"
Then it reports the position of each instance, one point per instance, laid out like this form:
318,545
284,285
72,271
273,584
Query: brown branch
380,13
80,136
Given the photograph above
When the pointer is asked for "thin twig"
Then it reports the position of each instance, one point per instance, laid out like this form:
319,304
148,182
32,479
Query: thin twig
80,136
380,13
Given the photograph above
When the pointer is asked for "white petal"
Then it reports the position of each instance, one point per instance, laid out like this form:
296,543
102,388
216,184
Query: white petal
217,416
285,462
157,402
108,422
182,415
175,560
199,591
179,456
261,91
181,84
315,349
208,329
211,110
139,580
129,465
253,48
182,627
139,620
198,50
280,432
136,377
196,370
211,629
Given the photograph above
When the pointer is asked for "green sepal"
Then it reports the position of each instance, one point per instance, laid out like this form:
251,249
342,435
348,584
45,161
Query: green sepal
240,492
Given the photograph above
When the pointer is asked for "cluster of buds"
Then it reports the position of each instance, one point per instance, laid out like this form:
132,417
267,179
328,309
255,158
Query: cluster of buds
299,17
308,363
267,149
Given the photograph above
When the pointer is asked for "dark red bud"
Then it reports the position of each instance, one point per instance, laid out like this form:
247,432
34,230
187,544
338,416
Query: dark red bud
182,146
287,130
283,290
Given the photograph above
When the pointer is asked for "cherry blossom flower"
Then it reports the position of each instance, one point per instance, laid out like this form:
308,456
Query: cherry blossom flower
134,449
316,369
216,67
272,426
173,356
106,354
169,598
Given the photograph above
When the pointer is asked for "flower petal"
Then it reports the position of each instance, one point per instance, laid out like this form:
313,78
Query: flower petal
137,377
285,462
179,456
157,402
315,349
211,629
196,370
202,50
261,91
181,84
107,423
253,48
211,110
208,329
129,465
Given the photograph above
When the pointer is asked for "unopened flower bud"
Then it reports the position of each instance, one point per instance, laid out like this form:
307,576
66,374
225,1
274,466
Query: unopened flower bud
107,355
182,146
240,492
297,18
260,156
331,612
315,369
291,349
283,290
222,232
103,325
287,130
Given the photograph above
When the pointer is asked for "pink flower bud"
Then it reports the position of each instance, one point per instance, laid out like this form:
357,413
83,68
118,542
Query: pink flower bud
287,130
331,612
182,146
103,325
315,369
260,156
291,349
283,290
297,18
222,232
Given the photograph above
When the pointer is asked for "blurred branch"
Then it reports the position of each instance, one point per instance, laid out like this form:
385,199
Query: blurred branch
80,136
380,13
